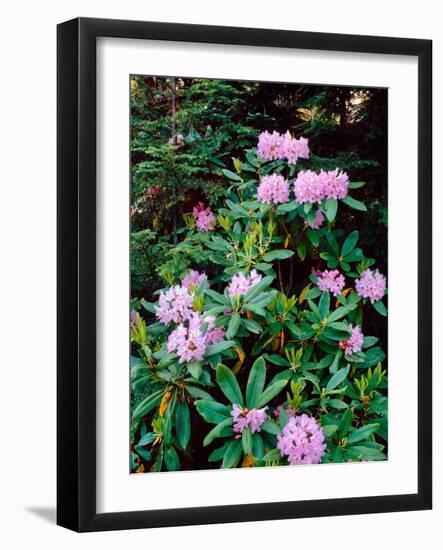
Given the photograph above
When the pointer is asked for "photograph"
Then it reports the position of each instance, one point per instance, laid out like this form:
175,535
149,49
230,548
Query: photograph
258,266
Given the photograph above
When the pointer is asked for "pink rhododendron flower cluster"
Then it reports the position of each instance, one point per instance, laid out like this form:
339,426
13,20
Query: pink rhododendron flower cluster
312,187
295,149
273,189
318,222
354,343
302,440
192,280
244,418
278,146
270,146
331,281
175,305
308,188
204,217
371,285
213,334
240,284
335,183
190,341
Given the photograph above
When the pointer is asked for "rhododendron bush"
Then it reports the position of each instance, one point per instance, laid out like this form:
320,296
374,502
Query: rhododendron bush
266,357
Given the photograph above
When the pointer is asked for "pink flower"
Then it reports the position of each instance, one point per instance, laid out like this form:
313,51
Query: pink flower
240,284
312,187
213,334
190,341
192,280
302,440
294,149
273,189
371,285
334,183
204,217
308,188
174,305
354,343
133,317
277,146
331,281
244,418
270,146
318,222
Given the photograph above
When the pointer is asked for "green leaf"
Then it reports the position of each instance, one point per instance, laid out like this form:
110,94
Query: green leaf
258,448
374,356
363,433
229,385
356,184
144,453
219,453
234,324
337,404
340,312
301,250
369,341
147,404
277,360
232,454
231,175
281,254
380,307
252,326
345,423
183,423
287,207
217,297
270,427
246,439
272,456
195,369
329,429
224,428
330,209
171,459
213,349
257,288
146,439
366,453
270,392
149,306
314,236
335,362
256,309
212,411
323,304
349,244
337,379
198,393
355,204
256,382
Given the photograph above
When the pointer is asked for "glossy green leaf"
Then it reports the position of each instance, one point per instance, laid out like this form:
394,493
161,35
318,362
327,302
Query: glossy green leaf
229,385
212,411
183,423
256,382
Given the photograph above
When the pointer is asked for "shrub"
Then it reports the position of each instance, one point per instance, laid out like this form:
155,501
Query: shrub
266,358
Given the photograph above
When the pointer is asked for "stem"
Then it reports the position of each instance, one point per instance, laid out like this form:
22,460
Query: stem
280,278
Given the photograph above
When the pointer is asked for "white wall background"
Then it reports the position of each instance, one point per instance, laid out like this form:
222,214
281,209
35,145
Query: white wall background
27,245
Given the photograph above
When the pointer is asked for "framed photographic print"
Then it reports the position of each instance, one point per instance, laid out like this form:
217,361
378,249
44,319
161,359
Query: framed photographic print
244,274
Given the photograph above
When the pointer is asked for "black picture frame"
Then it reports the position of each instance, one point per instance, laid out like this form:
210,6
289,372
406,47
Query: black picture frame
76,265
